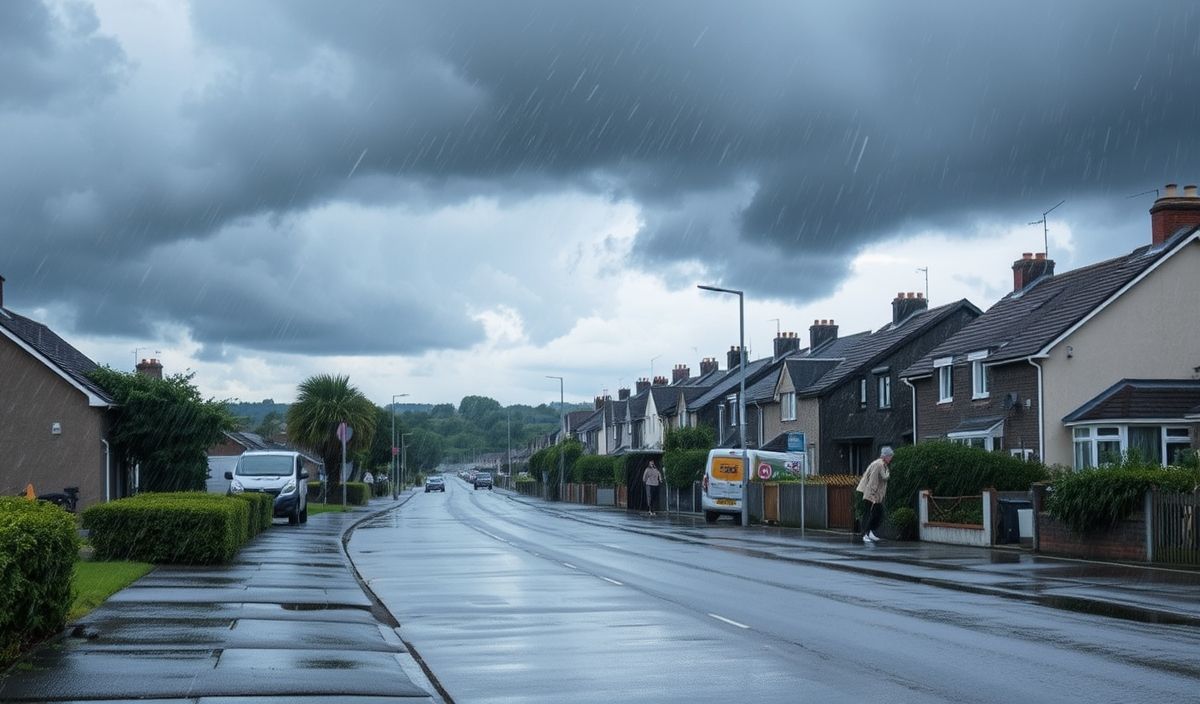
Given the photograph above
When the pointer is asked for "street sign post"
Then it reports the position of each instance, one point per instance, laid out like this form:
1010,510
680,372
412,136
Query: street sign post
344,433
796,447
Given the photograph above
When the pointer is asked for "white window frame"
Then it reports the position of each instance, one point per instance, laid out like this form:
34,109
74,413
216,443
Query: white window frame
1169,433
945,377
787,406
862,392
1023,454
979,381
884,386
733,410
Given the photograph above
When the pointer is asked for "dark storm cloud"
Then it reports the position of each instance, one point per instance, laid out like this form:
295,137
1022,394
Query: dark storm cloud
769,141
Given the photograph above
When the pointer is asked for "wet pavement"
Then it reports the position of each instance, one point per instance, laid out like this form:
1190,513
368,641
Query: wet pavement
287,620
511,600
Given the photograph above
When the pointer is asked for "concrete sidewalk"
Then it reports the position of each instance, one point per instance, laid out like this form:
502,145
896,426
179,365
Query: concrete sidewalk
1137,592
287,619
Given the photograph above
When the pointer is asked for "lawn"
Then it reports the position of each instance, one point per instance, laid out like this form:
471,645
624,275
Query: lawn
315,508
93,582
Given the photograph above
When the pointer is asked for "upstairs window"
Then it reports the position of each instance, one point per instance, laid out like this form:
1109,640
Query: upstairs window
885,391
945,375
979,374
787,406
862,392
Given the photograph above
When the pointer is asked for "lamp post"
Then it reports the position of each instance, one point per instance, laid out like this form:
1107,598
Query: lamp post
509,450
395,460
403,456
562,432
741,394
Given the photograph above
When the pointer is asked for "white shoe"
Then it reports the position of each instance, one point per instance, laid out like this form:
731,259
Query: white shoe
867,539
874,538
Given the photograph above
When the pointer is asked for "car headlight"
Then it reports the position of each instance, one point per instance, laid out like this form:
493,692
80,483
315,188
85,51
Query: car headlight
236,487
289,487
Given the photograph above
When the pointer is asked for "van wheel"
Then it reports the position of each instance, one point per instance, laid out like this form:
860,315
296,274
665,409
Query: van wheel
294,517
710,516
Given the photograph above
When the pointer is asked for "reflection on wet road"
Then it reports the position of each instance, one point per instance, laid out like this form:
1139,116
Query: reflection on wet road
507,602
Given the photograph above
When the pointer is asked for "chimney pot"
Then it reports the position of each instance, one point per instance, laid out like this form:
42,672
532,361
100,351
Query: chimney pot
1040,256
920,294
1189,191
1027,255
906,305
1172,213
1169,191
1027,269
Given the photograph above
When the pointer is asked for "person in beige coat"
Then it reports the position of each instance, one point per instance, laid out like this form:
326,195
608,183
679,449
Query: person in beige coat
873,486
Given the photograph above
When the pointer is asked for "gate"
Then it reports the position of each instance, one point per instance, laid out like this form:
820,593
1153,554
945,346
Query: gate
840,507
1174,531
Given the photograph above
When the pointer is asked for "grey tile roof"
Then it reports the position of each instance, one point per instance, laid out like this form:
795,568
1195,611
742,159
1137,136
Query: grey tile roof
729,383
839,347
977,424
764,388
874,347
806,372
58,351
666,398
637,405
1024,322
592,422
1141,398
574,418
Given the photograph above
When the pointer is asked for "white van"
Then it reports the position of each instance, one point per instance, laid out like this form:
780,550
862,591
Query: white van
722,484
279,473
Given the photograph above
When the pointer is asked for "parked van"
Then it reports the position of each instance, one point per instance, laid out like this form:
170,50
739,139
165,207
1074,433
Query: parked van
279,473
722,483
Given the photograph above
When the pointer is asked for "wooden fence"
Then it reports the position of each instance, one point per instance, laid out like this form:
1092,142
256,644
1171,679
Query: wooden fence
1173,528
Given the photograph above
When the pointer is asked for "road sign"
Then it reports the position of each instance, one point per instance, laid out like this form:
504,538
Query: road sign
796,442
395,451
344,432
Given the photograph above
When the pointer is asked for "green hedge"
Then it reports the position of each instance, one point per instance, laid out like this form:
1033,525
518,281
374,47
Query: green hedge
191,528
1096,499
357,493
950,469
902,524
682,467
593,469
38,549
262,510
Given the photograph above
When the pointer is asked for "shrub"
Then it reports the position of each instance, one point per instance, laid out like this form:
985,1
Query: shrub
682,467
903,523
262,510
593,469
357,493
1096,499
169,528
38,549
949,469
694,438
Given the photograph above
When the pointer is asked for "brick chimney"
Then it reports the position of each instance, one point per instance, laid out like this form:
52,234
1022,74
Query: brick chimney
150,367
821,332
622,394
732,357
1029,267
642,385
786,343
1172,212
905,304
708,365
599,402
660,381
681,372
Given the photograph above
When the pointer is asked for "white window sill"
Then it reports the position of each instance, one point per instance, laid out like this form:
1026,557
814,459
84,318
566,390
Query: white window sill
946,400
978,397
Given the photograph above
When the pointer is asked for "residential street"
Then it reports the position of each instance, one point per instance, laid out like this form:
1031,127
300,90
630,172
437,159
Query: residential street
506,600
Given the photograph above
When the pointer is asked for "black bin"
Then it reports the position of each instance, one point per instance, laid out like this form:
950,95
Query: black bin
1010,523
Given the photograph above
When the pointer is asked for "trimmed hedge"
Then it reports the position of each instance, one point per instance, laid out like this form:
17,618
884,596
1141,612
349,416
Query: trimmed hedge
1096,499
682,467
593,469
262,511
903,524
38,549
357,493
949,469
191,528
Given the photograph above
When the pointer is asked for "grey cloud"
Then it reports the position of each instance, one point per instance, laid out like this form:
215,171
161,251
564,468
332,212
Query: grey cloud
819,128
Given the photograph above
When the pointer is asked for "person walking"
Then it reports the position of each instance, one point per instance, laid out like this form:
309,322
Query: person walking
873,486
652,478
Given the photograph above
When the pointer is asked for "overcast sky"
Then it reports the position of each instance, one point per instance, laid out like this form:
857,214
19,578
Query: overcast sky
449,198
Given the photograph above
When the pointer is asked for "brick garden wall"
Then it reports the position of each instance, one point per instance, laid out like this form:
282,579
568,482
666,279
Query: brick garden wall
1125,542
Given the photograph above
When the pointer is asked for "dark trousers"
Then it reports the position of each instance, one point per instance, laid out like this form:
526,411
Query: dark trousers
651,497
872,515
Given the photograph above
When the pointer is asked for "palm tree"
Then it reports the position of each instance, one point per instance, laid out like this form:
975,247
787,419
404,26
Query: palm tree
324,401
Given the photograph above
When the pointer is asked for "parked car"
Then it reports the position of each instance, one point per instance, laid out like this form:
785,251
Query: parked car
279,473
435,483
483,479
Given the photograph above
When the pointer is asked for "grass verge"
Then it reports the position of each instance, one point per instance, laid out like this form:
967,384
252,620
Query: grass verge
94,582
314,508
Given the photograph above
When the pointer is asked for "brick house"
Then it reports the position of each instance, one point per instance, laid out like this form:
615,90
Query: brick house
1010,380
855,408
54,421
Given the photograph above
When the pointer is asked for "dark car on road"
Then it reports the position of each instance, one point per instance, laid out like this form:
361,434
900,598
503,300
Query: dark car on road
483,479
435,483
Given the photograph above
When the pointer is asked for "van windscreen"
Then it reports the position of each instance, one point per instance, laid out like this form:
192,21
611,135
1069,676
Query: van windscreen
265,465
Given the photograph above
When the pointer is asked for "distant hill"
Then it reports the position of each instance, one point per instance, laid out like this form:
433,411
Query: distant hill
255,412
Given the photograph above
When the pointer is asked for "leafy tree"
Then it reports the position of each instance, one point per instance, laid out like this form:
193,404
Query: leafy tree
324,401
476,407
424,450
164,426
271,425
698,438
442,410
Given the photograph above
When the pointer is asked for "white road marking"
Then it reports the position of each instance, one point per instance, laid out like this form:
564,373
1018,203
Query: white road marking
619,584
731,623
568,564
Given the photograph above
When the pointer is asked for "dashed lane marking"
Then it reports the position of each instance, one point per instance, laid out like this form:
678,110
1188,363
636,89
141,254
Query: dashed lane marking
730,622
613,581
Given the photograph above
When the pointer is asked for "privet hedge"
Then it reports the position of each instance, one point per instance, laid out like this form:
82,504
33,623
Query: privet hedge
38,548
1096,499
170,528
593,469
262,510
949,469
357,493
682,467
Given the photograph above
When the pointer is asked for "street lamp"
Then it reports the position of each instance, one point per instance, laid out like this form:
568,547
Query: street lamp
395,460
562,432
403,456
741,394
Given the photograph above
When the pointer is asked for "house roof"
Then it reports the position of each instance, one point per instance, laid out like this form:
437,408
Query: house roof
874,347
666,398
574,418
55,352
252,441
836,348
1132,399
978,424
729,382
806,372
594,420
1025,322
764,388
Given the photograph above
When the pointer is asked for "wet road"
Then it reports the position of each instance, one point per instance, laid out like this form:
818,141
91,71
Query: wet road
507,602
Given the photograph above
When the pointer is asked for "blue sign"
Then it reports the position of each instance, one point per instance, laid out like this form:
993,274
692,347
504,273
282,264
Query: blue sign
796,442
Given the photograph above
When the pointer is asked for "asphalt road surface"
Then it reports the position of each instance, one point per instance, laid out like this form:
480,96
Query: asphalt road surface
511,602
